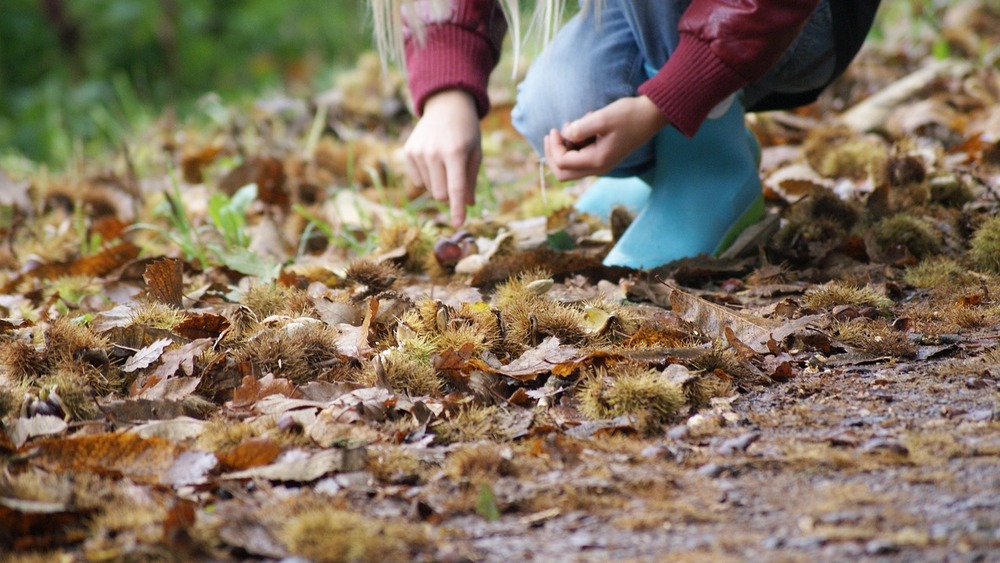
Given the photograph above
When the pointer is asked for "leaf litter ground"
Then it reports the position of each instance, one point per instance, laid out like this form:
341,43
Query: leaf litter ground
316,366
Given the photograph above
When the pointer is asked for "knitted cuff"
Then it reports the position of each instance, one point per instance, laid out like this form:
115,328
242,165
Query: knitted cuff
451,57
693,81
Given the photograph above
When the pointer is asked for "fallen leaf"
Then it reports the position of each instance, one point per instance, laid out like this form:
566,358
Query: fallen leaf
872,113
279,404
37,525
335,313
146,356
246,532
251,453
181,358
265,171
194,159
738,444
783,371
176,429
307,467
142,459
202,326
453,362
972,300
165,282
192,467
24,429
131,410
372,403
171,389
97,265
14,194
714,319
353,340
252,390
108,228
744,352
796,181
541,359
118,317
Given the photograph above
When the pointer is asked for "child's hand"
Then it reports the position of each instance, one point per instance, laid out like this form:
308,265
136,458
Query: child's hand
444,150
597,142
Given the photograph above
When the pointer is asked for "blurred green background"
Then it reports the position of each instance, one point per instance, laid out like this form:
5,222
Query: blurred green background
74,74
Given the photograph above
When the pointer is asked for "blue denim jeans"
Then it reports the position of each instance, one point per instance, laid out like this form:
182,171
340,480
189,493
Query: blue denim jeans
596,59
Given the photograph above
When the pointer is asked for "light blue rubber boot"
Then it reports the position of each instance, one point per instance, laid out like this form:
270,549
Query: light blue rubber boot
705,191
606,193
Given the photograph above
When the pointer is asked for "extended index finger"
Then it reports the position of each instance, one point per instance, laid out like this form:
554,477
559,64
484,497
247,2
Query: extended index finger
458,178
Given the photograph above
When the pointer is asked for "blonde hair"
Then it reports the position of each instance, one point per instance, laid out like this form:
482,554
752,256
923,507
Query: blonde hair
389,18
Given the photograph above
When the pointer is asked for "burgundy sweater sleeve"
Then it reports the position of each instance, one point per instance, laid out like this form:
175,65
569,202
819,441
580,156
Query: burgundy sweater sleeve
459,50
724,46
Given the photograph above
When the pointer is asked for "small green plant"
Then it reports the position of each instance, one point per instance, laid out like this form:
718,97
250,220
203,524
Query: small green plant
486,504
89,245
224,239
229,215
182,231
359,245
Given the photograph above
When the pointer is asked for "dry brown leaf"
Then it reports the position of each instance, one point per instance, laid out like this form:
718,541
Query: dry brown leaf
172,389
252,389
251,453
335,313
241,529
142,459
453,361
35,525
302,467
142,410
165,281
370,403
97,265
265,171
146,356
204,325
542,359
916,118
193,159
23,429
714,319
781,368
744,352
353,340
181,358
176,429
192,467
118,317
108,228
795,181
14,194
180,518
872,113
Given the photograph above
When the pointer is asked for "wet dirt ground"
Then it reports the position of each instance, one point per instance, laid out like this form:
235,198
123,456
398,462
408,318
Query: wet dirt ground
873,462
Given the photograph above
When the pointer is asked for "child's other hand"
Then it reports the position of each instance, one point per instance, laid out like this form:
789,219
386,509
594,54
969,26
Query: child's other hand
444,150
617,129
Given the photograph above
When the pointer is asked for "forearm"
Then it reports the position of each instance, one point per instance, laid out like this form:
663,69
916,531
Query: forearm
457,51
723,48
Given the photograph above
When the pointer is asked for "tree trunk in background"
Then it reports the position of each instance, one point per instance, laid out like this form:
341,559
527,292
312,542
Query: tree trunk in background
68,33
167,36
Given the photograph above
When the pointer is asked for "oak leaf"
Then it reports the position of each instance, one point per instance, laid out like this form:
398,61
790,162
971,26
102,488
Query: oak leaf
146,356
